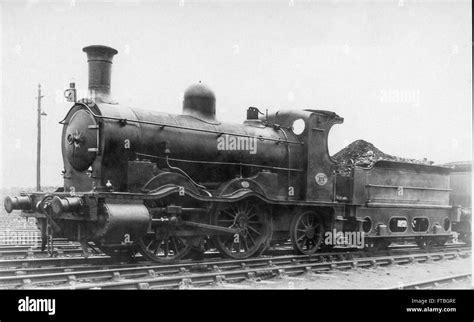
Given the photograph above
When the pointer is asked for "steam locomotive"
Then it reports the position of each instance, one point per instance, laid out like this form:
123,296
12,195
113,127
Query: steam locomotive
168,185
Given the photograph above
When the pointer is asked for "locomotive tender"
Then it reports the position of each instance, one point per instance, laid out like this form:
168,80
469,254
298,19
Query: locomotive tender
163,185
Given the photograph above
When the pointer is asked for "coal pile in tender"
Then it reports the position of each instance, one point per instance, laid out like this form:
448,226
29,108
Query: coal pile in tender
365,154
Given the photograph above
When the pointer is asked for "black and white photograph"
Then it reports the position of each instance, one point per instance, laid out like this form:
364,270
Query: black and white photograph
208,154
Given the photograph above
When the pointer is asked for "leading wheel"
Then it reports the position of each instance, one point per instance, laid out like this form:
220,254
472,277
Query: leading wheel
306,232
164,245
253,228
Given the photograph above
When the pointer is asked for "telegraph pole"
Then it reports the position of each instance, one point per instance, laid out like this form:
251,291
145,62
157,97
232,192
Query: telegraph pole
38,146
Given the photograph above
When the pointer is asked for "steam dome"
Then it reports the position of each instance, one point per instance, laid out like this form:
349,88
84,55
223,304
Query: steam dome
200,101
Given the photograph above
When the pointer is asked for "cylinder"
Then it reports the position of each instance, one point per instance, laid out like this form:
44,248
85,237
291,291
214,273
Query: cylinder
122,221
99,59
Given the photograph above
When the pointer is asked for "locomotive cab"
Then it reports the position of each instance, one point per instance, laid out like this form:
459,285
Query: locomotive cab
312,128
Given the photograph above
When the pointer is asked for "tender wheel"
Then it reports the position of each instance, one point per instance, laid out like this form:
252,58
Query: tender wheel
306,232
163,246
425,242
253,224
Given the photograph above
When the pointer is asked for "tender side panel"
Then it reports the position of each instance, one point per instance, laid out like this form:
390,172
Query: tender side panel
391,222
395,183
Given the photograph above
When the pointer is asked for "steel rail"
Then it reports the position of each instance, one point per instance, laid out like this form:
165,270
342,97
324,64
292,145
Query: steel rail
9,267
62,274
271,269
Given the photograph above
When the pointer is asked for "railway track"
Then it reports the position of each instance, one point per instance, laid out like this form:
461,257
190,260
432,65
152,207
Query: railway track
70,252
145,275
62,245
65,248
434,283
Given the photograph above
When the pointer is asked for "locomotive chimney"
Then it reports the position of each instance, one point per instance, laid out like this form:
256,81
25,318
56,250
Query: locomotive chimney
99,59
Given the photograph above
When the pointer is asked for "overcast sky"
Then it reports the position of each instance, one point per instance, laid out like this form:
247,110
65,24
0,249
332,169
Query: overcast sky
399,72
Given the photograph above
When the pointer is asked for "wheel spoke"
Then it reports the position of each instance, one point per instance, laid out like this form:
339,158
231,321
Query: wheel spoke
243,208
161,249
254,222
231,244
151,242
246,246
175,246
249,219
156,248
252,215
225,220
303,223
306,221
302,242
251,238
306,224
253,229
249,208
230,214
